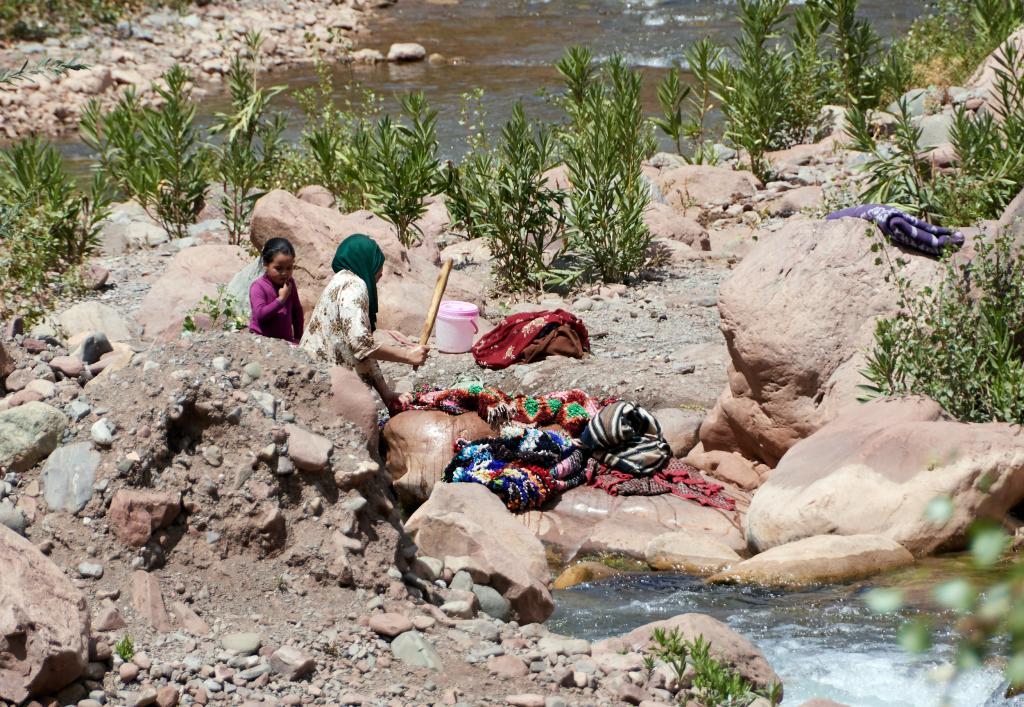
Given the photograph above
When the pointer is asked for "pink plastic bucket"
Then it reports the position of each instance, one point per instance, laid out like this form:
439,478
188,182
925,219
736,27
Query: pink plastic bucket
456,326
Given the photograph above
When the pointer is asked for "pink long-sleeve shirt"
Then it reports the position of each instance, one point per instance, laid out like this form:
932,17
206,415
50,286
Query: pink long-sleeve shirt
272,317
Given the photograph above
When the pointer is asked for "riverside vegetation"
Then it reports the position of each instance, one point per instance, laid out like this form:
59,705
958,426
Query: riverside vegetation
961,341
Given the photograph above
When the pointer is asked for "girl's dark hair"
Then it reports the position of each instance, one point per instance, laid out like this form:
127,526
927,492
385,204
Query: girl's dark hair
274,247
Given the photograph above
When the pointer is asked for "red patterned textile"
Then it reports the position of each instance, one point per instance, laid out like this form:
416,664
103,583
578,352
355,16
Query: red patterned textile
531,336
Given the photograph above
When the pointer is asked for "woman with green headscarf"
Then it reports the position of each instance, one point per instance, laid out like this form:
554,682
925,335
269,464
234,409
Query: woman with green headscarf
341,328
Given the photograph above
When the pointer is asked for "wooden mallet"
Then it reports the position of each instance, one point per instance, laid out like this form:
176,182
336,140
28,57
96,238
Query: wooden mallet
435,305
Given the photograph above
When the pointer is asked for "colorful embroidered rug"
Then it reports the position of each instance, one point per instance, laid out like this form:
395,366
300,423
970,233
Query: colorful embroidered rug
678,478
569,409
524,466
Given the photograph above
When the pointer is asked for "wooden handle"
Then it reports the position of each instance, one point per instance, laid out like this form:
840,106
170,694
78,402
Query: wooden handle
442,283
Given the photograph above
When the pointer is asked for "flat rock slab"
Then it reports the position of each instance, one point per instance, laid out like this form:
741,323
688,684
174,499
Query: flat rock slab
822,559
390,625
245,643
69,475
875,469
585,520
414,649
689,552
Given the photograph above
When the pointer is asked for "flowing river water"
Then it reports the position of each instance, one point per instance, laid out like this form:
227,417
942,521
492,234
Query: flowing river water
823,642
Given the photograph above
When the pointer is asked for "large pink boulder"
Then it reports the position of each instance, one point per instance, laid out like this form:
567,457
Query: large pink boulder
468,521
797,314
875,470
585,520
985,78
44,623
667,223
134,515
405,291
420,445
730,648
192,274
699,185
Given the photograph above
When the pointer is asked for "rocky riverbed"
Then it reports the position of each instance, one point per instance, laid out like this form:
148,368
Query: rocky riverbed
133,52
221,500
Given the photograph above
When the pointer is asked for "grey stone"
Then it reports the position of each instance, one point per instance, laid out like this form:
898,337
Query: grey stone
245,643
93,347
102,432
459,609
266,402
916,100
253,370
181,244
91,570
78,410
564,646
492,603
13,518
480,627
414,649
221,364
255,672
96,317
69,477
240,284
213,455
462,581
28,433
935,130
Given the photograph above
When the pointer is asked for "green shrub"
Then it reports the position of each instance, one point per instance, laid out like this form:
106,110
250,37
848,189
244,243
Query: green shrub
960,342
154,155
513,208
332,151
246,160
604,146
223,311
897,174
125,648
401,168
710,683
47,67
49,226
991,168
749,88
175,155
681,123
36,20
855,46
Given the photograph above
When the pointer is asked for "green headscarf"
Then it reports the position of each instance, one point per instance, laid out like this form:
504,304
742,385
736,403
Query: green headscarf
361,255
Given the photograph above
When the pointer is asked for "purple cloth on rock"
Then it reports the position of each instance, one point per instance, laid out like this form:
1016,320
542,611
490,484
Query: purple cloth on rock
904,229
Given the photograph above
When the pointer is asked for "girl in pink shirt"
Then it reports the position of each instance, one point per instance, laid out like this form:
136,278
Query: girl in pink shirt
276,310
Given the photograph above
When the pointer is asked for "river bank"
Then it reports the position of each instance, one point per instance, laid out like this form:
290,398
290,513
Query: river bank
134,52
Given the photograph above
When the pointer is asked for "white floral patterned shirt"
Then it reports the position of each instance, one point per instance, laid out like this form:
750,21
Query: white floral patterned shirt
339,331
